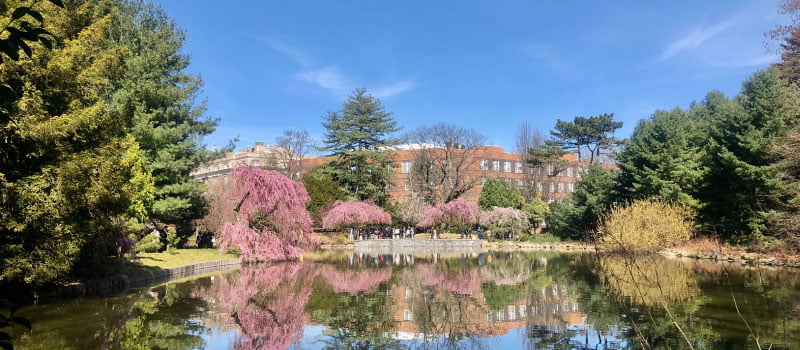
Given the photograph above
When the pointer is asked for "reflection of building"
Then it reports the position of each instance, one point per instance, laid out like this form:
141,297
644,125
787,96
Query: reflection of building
422,313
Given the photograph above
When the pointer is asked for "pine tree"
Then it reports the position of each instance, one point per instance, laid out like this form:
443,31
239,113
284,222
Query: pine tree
359,136
167,122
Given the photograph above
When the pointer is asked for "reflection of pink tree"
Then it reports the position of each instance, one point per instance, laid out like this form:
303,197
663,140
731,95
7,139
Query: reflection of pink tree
459,212
271,217
461,282
355,214
267,303
352,281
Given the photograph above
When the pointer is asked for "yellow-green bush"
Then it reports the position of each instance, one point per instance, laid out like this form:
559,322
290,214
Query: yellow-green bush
646,226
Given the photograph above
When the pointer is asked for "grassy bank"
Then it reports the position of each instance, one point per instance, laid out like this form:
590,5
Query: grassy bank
181,257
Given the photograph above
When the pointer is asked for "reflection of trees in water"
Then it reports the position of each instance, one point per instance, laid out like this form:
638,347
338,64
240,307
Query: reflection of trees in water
659,297
352,281
159,319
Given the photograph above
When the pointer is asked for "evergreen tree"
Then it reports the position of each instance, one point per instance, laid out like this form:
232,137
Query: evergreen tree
497,193
167,122
359,136
663,157
323,192
743,187
578,216
70,176
589,132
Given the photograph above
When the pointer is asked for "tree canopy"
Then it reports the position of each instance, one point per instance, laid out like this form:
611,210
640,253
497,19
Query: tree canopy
359,136
592,133
497,193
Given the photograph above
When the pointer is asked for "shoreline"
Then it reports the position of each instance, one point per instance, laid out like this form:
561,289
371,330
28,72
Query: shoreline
745,258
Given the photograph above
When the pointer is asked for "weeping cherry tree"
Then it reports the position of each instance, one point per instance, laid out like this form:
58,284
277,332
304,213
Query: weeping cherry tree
271,220
355,214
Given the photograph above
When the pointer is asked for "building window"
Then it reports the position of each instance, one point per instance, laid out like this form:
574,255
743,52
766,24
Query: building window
484,165
518,168
507,167
560,187
519,182
408,186
551,187
512,313
571,187
500,315
569,172
495,165
539,186
549,170
522,310
406,167
408,315
408,293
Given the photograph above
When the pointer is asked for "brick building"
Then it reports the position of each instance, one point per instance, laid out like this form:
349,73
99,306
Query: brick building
460,173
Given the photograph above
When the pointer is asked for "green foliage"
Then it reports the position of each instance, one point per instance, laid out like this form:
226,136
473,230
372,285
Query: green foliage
542,238
743,187
159,98
578,216
323,192
663,157
69,175
536,210
719,157
497,193
149,244
358,135
589,132
646,225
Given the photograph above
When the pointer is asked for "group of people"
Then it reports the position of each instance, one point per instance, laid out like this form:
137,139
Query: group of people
399,233
383,233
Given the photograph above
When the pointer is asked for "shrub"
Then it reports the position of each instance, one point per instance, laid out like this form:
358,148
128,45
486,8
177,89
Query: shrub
149,244
646,226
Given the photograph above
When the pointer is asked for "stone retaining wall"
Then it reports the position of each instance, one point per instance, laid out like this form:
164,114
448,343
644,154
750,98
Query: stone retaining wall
139,279
410,246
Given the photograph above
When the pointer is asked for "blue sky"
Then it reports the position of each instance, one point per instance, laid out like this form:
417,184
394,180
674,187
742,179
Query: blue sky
489,65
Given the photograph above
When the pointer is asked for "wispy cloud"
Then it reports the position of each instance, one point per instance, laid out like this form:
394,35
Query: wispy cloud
393,89
694,39
547,55
328,78
293,54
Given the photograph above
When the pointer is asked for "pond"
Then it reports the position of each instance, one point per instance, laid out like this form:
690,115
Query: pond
496,300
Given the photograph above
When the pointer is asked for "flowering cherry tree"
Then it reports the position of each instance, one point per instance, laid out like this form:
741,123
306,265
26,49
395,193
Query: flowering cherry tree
271,221
511,219
460,213
355,214
412,211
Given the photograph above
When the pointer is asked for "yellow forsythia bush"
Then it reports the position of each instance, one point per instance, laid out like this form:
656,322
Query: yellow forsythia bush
646,226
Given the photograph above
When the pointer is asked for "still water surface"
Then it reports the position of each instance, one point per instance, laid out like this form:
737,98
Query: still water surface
498,300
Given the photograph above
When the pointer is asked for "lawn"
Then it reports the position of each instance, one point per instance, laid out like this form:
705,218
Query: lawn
181,257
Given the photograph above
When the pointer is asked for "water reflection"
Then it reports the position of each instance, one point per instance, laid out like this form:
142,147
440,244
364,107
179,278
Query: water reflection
495,300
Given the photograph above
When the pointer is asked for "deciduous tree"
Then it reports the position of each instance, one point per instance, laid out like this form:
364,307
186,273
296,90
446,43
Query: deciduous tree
294,145
446,163
272,222
355,214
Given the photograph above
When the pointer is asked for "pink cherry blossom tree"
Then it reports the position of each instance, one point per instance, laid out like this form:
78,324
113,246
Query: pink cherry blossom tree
355,214
460,213
271,221
510,219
